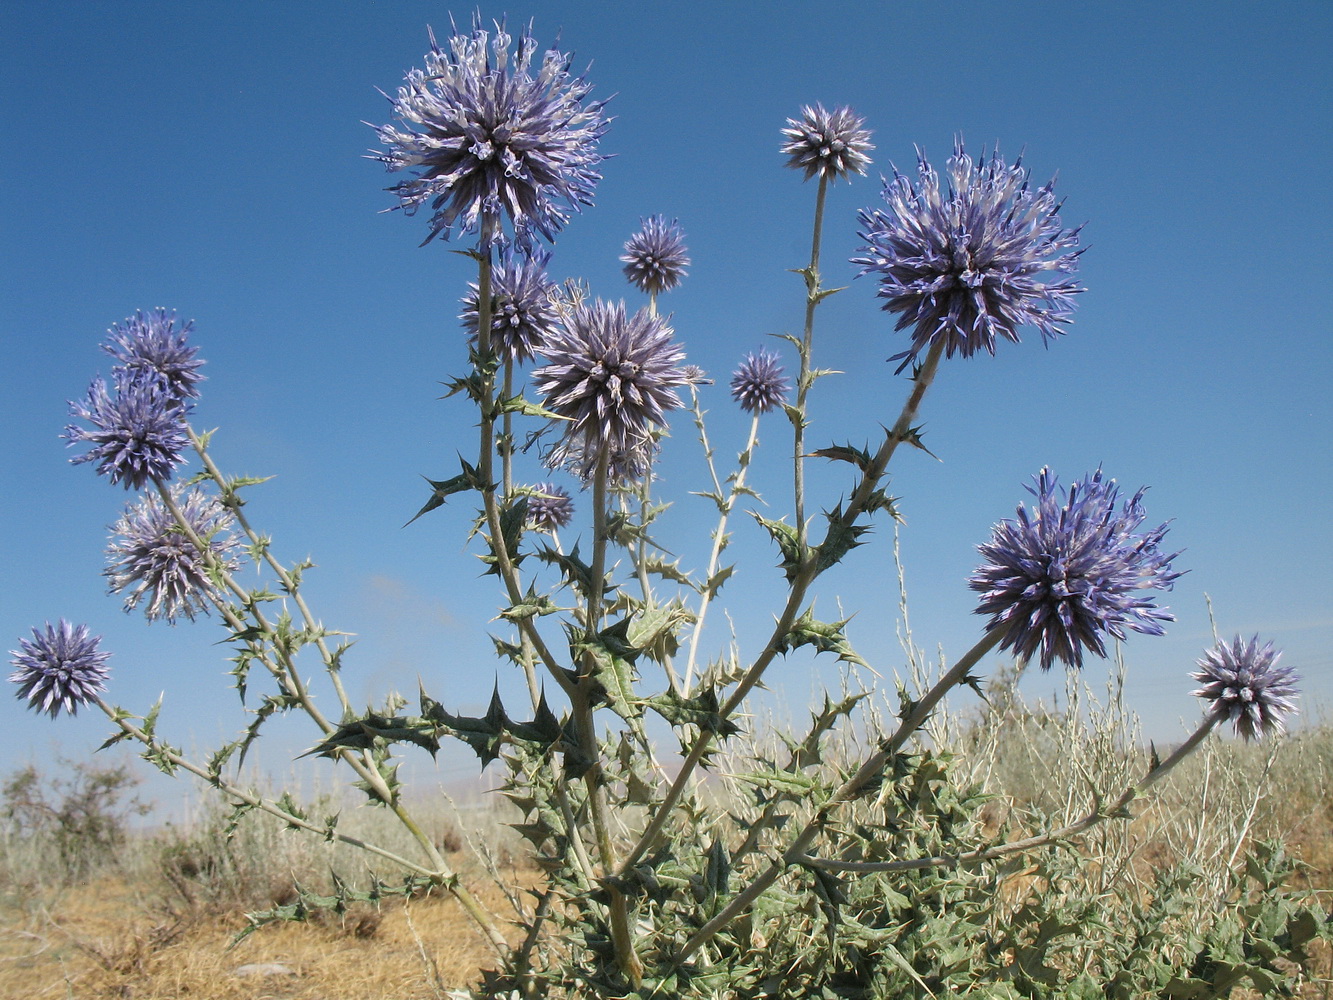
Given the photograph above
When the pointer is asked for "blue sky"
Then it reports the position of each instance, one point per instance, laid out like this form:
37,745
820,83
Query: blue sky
209,158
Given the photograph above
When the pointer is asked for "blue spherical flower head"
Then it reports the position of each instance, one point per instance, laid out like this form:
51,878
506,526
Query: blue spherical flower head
655,257
59,668
523,307
612,376
549,507
758,384
490,139
152,346
1071,569
831,144
974,263
1243,683
151,557
138,430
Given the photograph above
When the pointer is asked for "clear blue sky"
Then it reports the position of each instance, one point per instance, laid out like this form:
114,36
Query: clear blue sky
208,158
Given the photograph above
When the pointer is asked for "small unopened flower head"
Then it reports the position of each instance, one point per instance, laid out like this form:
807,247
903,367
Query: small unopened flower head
59,668
655,257
972,263
523,307
694,375
613,377
1243,684
758,384
832,144
138,429
549,507
151,558
490,138
1072,569
152,345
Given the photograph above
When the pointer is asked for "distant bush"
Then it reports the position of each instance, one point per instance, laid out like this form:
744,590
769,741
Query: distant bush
67,825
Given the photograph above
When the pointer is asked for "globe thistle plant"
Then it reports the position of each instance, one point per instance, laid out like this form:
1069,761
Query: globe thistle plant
138,430
831,144
490,139
1243,684
758,384
523,307
612,376
1072,569
549,507
152,558
59,668
974,263
655,257
152,346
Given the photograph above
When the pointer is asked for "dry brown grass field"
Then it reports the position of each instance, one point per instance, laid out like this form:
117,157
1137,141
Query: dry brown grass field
159,914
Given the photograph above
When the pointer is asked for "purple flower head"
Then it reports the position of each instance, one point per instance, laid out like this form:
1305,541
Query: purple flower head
523,307
138,430
60,668
1243,683
1070,569
966,266
549,507
832,144
152,346
151,557
654,257
489,139
758,384
612,376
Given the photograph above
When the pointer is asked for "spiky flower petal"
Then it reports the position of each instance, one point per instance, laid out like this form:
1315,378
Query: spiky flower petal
974,263
1071,569
523,307
655,257
491,140
151,345
151,557
59,668
138,430
549,507
612,376
758,384
1243,684
832,144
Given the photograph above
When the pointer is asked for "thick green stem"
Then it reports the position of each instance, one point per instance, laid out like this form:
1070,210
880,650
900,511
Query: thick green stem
805,379
486,469
507,438
584,721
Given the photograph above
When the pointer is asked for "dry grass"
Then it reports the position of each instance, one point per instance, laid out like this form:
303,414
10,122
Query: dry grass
162,921
106,940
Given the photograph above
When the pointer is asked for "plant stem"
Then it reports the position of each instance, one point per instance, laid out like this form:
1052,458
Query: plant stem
1097,815
719,541
442,874
872,768
805,576
804,381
